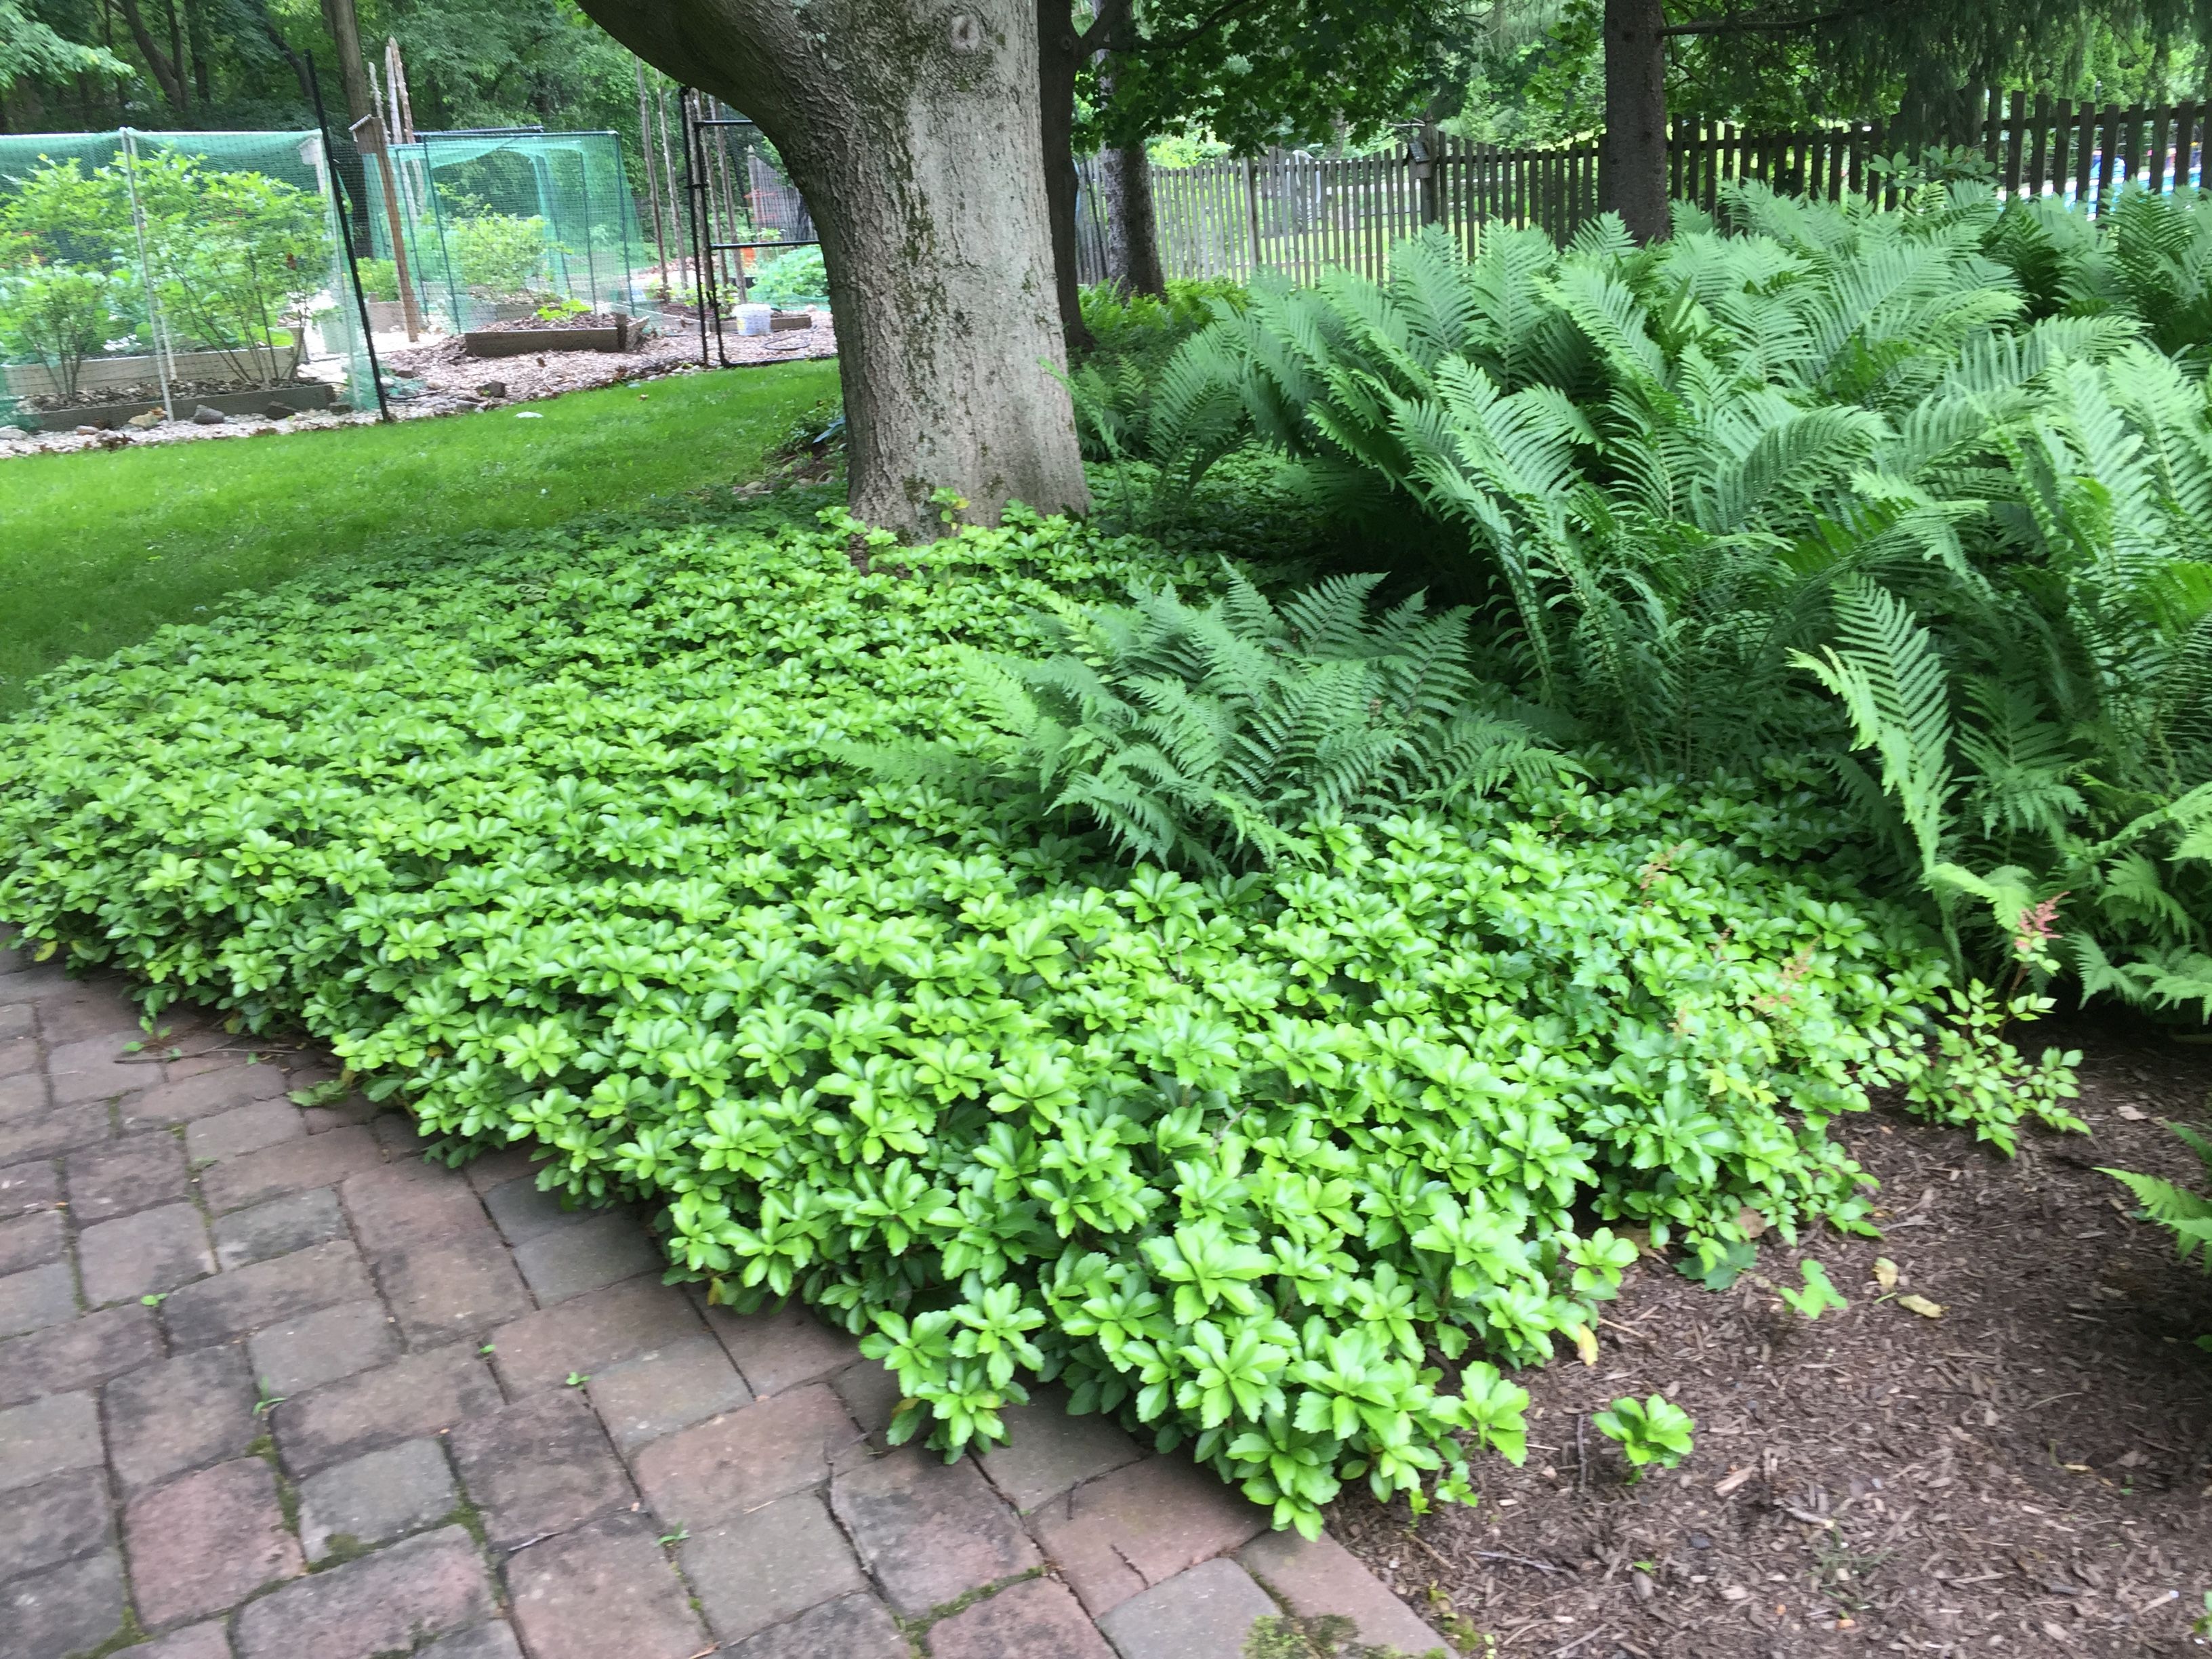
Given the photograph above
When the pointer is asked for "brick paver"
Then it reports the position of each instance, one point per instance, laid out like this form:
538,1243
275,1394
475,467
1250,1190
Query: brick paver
343,1353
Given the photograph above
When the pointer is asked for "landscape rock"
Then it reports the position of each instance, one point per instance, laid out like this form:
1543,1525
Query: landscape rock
492,389
13,434
205,415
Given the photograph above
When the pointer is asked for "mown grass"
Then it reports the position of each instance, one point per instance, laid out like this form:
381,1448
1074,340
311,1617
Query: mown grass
99,548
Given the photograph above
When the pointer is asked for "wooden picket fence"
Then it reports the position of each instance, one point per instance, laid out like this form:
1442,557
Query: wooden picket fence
1303,214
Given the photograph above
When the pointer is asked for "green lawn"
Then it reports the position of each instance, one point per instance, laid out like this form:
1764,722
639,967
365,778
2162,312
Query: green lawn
99,548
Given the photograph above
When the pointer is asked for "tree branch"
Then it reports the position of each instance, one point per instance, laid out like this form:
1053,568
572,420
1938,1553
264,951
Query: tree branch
1105,22
1747,24
165,72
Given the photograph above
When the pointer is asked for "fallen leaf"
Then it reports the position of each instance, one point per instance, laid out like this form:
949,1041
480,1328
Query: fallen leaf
1750,1221
1586,1343
2134,1115
1921,1305
1885,1273
2078,1468
1730,1481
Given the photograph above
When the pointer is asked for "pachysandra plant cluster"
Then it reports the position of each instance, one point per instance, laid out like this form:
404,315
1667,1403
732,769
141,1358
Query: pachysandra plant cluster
551,842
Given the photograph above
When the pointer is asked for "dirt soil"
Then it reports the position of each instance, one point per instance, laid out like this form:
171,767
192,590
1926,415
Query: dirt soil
2029,1474
439,378
529,325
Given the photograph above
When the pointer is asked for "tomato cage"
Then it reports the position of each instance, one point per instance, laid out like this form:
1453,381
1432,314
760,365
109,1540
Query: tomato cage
478,229
152,276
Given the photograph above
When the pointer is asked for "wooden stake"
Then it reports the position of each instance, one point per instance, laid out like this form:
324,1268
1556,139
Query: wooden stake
368,138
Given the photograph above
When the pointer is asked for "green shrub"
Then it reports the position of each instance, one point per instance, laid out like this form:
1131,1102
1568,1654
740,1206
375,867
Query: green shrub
549,842
380,279
57,316
792,281
503,254
237,257
1815,487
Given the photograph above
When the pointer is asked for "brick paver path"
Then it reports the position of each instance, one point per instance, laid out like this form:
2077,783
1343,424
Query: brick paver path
272,1387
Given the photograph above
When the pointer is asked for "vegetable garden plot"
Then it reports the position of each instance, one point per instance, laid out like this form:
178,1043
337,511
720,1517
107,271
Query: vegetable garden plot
146,272
501,225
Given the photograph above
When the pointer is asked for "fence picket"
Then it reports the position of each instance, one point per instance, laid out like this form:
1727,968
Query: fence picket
1307,214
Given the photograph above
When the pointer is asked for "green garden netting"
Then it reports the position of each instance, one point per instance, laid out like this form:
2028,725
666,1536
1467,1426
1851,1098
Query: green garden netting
145,271
499,226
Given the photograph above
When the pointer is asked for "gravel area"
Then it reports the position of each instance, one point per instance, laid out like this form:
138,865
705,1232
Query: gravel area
441,379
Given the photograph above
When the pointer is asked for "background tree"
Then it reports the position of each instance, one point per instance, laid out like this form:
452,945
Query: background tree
914,132
1252,73
42,46
1921,58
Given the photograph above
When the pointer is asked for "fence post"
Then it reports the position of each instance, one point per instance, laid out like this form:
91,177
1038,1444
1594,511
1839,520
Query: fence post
2015,118
1251,219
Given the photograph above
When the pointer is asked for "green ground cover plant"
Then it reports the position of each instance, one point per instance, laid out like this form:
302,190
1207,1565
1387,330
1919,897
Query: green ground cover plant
98,549
554,841
1816,480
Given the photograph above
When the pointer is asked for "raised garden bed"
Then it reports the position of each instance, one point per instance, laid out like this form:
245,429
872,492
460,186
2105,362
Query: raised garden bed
300,397
28,381
614,331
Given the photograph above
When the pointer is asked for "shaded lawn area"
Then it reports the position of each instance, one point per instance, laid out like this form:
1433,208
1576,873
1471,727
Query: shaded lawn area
99,548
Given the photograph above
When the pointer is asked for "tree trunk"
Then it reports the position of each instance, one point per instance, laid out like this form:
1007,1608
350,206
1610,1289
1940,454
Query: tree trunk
1060,58
164,68
1132,232
177,56
339,18
914,133
195,36
1632,169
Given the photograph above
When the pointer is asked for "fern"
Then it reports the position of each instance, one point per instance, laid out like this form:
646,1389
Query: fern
2186,1215
1219,736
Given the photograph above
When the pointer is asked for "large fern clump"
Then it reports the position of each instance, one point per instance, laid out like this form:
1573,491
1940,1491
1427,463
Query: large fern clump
1234,733
1826,480
2148,259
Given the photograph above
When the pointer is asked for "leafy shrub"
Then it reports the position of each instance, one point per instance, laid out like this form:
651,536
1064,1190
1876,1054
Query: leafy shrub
1703,483
548,841
380,279
57,316
1650,1431
792,280
502,254
1209,739
237,257
62,298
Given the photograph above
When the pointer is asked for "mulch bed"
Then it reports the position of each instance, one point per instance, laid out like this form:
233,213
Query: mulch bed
2031,1473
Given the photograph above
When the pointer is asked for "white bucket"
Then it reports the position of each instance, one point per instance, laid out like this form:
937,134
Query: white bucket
752,320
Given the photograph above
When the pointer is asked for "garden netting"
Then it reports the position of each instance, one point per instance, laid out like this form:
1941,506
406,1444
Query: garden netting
499,226
159,271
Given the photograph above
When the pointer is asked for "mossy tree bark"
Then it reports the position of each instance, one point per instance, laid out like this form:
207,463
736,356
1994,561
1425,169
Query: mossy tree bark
914,131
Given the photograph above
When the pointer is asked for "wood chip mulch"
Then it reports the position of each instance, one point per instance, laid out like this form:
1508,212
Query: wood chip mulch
2029,1473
